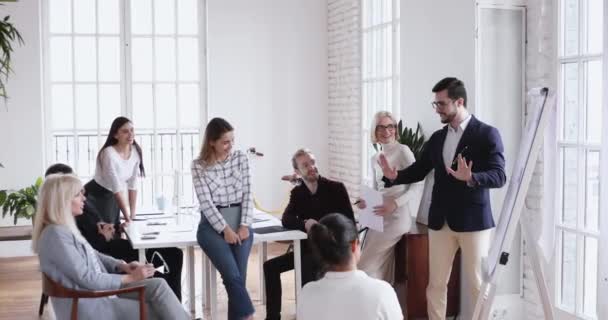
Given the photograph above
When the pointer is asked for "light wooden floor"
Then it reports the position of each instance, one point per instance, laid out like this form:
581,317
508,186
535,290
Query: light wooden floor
20,288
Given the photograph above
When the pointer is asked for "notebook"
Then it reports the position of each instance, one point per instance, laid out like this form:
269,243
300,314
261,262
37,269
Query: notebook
232,216
269,229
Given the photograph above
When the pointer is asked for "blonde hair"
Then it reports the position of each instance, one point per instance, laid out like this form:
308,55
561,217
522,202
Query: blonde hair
377,117
54,205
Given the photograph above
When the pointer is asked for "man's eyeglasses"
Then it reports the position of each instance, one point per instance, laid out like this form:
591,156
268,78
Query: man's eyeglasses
389,127
440,104
158,259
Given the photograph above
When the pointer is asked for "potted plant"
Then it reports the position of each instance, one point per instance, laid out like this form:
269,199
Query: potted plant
8,35
413,139
21,203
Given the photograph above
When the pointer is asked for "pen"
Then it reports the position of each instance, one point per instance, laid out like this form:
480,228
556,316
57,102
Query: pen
459,153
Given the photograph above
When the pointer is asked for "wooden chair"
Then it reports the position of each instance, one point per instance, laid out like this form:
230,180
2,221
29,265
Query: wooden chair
53,289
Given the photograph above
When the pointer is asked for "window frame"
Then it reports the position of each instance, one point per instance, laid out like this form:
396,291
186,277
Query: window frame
582,148
394,24
126,96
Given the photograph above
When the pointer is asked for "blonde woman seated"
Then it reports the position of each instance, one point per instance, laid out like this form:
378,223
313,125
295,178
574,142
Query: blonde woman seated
67,258
400,201
344,292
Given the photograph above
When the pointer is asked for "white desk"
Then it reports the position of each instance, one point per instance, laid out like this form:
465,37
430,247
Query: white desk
181,231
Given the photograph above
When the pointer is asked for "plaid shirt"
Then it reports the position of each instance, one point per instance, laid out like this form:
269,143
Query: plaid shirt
226,182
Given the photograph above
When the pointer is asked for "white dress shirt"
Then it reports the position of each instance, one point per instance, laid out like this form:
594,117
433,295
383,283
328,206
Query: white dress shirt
452,139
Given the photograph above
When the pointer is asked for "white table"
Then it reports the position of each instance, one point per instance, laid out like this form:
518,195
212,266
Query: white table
180,231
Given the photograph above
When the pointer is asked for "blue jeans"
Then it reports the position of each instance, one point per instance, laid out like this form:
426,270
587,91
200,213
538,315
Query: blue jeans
231,262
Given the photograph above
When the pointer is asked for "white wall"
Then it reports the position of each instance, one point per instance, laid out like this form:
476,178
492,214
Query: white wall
501,47
437,41
541,60
21,127
344,105
268,77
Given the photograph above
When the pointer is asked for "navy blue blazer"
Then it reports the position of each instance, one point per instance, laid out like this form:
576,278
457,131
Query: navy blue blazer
464,208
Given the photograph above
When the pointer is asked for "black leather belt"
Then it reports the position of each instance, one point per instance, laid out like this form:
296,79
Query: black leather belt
229,206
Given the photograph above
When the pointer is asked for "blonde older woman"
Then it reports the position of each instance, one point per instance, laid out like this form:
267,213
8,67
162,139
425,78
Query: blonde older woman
67,258
400,202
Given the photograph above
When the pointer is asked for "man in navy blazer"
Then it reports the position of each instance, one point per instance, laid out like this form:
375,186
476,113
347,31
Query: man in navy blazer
467,156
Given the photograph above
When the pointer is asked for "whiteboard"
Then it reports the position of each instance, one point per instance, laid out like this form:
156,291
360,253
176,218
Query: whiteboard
532,137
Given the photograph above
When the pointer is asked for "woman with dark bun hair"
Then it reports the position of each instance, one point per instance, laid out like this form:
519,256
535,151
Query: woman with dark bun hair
347,292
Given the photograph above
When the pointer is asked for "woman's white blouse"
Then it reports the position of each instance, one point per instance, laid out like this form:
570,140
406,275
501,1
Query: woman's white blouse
399,156
349,295
115,173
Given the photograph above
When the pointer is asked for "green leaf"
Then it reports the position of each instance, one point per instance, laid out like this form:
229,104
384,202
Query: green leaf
21,203
8,34
415,140
30,211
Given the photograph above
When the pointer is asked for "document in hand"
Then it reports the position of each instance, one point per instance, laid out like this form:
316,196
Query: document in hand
367,217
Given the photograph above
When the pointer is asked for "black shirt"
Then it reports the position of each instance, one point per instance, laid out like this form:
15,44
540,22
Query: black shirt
331,197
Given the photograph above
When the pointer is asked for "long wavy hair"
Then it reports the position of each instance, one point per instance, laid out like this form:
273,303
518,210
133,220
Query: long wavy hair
54,205
110,141
214,131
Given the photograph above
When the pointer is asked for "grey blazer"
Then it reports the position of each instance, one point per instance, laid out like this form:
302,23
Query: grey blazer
74,265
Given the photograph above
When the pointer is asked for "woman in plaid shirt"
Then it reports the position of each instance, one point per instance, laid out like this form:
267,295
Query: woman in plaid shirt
222,182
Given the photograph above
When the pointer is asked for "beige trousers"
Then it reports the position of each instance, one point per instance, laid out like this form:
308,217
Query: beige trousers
443,245
378,253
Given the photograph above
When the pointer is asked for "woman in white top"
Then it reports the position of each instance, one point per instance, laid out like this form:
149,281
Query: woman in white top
344,292
400,201
118,168
114,189
221,180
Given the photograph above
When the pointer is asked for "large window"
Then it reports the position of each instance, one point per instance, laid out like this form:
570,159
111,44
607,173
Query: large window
579,145
380,66
138,58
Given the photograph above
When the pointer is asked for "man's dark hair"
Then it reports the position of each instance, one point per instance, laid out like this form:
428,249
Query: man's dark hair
455,88
59,168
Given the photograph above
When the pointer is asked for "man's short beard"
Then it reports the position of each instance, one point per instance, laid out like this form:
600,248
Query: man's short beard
311,179
449,117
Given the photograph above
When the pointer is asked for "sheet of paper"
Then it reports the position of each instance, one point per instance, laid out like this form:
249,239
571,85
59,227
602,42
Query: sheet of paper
367,217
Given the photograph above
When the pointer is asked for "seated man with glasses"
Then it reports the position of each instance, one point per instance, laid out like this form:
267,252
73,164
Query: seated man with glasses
106,238
313,198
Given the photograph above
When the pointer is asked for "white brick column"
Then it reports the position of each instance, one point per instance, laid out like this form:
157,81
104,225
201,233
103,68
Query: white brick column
344,103
541,58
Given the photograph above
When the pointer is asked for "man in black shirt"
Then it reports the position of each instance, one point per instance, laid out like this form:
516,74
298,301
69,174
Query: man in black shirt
313,198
